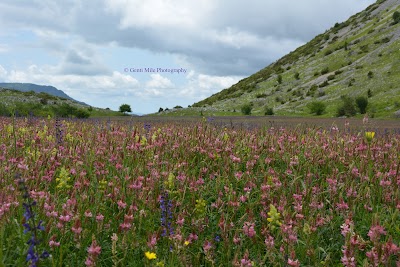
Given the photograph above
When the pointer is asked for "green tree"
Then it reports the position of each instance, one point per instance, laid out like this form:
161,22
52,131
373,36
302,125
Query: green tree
269,111
317,107
396,17
246,109
82,113
125,108
348,107
362,103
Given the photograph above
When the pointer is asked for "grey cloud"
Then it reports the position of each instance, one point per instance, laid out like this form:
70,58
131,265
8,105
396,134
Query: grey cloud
275,27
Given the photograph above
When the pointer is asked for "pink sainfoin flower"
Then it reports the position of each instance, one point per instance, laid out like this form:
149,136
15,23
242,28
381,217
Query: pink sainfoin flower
248,229
294,263
375,232
93,252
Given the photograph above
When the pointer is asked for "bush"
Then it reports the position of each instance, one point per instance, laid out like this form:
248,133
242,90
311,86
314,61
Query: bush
177,107
246,109
279,79
348,107
396,17
362,103
370,74
317,107
82,114
331,77
324,70
369,93
160,110
269,111
297,76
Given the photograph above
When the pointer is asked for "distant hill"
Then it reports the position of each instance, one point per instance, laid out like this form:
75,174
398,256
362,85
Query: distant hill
356,58
26,87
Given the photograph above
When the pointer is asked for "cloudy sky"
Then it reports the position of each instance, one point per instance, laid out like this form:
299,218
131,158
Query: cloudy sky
110,52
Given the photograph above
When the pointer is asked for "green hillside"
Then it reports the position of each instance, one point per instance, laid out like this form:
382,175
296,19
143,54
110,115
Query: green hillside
43,104
359,58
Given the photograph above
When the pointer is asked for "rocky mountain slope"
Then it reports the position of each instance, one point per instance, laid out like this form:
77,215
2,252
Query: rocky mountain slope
358,57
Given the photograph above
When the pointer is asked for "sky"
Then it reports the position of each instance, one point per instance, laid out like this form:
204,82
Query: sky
154,53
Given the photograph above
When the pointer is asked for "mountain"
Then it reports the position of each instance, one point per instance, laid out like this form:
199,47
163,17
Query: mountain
356,58
26,87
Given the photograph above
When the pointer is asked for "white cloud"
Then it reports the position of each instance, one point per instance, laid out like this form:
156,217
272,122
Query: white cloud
158,81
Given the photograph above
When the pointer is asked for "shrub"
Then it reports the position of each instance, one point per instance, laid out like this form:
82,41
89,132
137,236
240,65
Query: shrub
370,74
369,93
177,107
362,103
347,108
160,110
261,95
279,79
324,84
331,77
82,114
325,70
246,109
317,107
396,17
297,76
269,111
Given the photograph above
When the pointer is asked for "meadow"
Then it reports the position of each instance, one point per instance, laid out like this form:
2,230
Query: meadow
197,193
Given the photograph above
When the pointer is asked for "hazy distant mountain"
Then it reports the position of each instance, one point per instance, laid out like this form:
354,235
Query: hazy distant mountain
357,58
25,87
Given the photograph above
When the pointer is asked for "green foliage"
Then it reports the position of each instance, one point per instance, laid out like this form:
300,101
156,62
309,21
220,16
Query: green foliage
396,17
317,107
269,111
125,108
347,108
4,111
64,111
370,74
81,113
325,70
160,110
279,79
177,107
261,95
297,76
369,93
246,109
362,103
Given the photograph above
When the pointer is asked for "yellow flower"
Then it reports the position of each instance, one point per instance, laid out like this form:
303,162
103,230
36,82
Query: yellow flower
273,217
150,255
369,136
186,243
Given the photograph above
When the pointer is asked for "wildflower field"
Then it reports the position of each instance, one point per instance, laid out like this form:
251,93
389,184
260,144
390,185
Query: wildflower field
115,193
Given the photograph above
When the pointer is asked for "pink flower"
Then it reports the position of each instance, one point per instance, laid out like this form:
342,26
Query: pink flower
94,249
295,263
207,246
375,232
99,217
121,204
248,229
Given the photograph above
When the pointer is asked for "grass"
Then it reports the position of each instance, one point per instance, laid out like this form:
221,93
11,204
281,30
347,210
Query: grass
188,192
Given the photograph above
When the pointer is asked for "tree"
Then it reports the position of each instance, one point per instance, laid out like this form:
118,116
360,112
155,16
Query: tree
125,108
362,103
160,110
317,107
246,109
269,111
348,107
396,17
